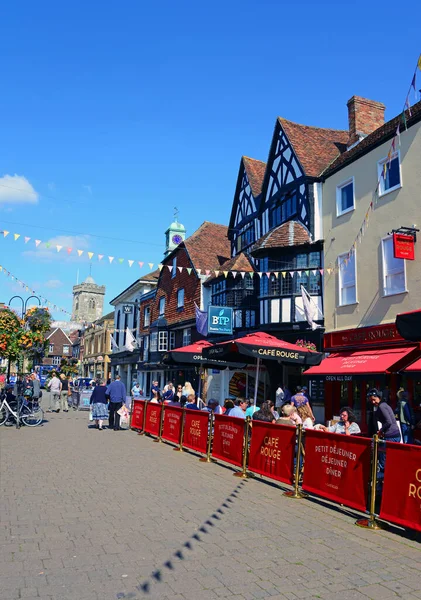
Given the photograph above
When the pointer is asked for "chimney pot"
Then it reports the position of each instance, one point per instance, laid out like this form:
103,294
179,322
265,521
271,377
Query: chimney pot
364,117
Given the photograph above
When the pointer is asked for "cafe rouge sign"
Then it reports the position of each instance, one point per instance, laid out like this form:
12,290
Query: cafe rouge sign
377,335
220,319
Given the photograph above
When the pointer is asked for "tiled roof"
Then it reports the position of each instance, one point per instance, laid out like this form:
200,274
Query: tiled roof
255,170
379,136
241,262
315,147
291,233
208,246
152,276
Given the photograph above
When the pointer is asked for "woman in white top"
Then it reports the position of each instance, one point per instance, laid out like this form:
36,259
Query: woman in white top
188,389
346,426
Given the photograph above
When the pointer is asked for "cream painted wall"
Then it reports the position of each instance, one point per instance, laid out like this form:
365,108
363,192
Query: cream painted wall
395,209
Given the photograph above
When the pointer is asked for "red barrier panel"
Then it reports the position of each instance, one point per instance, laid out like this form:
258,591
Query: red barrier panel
401,498
337,467
153,418
171,430
137,415
228,439
272,451
196,428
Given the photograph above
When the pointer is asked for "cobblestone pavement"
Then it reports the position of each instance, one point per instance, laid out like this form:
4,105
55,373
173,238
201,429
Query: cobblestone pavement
90,515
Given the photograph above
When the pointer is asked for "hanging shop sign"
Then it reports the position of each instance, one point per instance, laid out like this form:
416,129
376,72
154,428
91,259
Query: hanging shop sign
220,320
127,309
403,246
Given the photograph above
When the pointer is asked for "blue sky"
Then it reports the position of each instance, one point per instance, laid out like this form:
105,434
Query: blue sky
113,113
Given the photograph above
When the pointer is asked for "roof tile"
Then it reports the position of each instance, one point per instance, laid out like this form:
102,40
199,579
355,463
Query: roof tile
290,233
208,246
255,170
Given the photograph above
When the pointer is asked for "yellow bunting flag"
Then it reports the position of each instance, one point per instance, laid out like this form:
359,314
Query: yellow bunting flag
90,254
150,265
216,273
16,236
225,274
419,63
160,267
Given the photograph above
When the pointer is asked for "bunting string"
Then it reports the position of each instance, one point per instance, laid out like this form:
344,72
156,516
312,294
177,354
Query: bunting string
29,290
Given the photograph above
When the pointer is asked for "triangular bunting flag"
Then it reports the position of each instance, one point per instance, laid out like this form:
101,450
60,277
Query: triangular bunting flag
225,274
292,273
234,274
58,247
100,256
130,262
5,233
111,258
90,254
47,244
140,264
199,271
150,265
314,272
180,269
160,267
260,274
216,273
321,271
189,270
16,236
27,239
299,273
207,272
121,261
37,243
419,63
284,274
69,250
243,274
329,271
169,267
267,274
80,252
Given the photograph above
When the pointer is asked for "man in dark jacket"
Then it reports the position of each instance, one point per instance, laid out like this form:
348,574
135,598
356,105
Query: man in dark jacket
117,394
403,412
383,414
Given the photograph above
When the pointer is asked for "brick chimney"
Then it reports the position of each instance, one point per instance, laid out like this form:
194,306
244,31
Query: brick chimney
364,117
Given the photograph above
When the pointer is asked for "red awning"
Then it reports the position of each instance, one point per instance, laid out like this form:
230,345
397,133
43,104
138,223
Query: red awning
362,362
416,366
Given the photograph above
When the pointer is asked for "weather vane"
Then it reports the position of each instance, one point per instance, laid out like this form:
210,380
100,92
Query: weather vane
176,211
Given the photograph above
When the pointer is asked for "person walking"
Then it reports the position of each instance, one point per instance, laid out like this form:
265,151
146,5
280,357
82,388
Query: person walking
64,393
54,385
36,385
117,393
98,404
405,416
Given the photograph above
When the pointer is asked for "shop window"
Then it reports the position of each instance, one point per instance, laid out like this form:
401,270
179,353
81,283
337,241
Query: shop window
347,280
394,278
186,336
162,341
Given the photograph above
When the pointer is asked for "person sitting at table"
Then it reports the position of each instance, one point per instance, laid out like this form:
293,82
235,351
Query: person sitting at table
264,413
289,416
347,425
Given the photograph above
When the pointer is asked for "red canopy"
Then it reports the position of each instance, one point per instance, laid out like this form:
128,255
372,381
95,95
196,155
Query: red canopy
362,362
265,346
416,366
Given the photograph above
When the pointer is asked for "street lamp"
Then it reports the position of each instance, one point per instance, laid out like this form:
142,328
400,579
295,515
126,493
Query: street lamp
24,309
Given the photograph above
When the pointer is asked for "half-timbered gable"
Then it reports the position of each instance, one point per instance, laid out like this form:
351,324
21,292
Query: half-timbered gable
244,226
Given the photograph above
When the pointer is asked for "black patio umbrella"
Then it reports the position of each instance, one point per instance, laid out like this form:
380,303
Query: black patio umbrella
409,325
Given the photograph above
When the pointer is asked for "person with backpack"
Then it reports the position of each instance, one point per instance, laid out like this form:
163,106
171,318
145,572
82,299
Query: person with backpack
405,416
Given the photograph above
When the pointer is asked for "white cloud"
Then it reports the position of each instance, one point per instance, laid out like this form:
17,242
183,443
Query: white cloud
16,189
53,283
50,254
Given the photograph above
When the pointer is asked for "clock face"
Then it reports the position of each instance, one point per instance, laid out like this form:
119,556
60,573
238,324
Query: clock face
177,239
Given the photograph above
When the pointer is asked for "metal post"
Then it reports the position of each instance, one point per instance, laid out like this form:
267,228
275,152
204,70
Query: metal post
208,458
296,493
180,445
144,419
244,474
371,522
256,381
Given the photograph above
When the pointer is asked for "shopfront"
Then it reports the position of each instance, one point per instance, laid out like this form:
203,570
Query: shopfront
360,359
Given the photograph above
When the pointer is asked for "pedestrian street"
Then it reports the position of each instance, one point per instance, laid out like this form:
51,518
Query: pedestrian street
102,515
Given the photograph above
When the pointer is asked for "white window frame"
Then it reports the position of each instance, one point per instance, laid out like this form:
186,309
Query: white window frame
51,348
186,334
339,211
382,191
386,294
342,257
162,341
66,349
147,316
180,292
172,340
161,303
174,267
56,361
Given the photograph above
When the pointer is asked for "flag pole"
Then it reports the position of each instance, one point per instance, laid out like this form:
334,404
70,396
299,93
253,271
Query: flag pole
256,381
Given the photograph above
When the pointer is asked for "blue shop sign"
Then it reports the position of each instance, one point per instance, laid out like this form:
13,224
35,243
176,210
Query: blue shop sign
220,319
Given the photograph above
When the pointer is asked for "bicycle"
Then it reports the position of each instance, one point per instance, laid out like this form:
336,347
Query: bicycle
30,416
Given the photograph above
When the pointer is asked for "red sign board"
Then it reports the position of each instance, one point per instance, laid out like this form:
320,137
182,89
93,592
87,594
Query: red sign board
362,336
172,424
403,246
272,451
153,418
228,439
196,429
337,467
401,498
137,415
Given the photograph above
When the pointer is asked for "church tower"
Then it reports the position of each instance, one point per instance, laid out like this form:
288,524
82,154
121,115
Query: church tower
175,234
88,301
